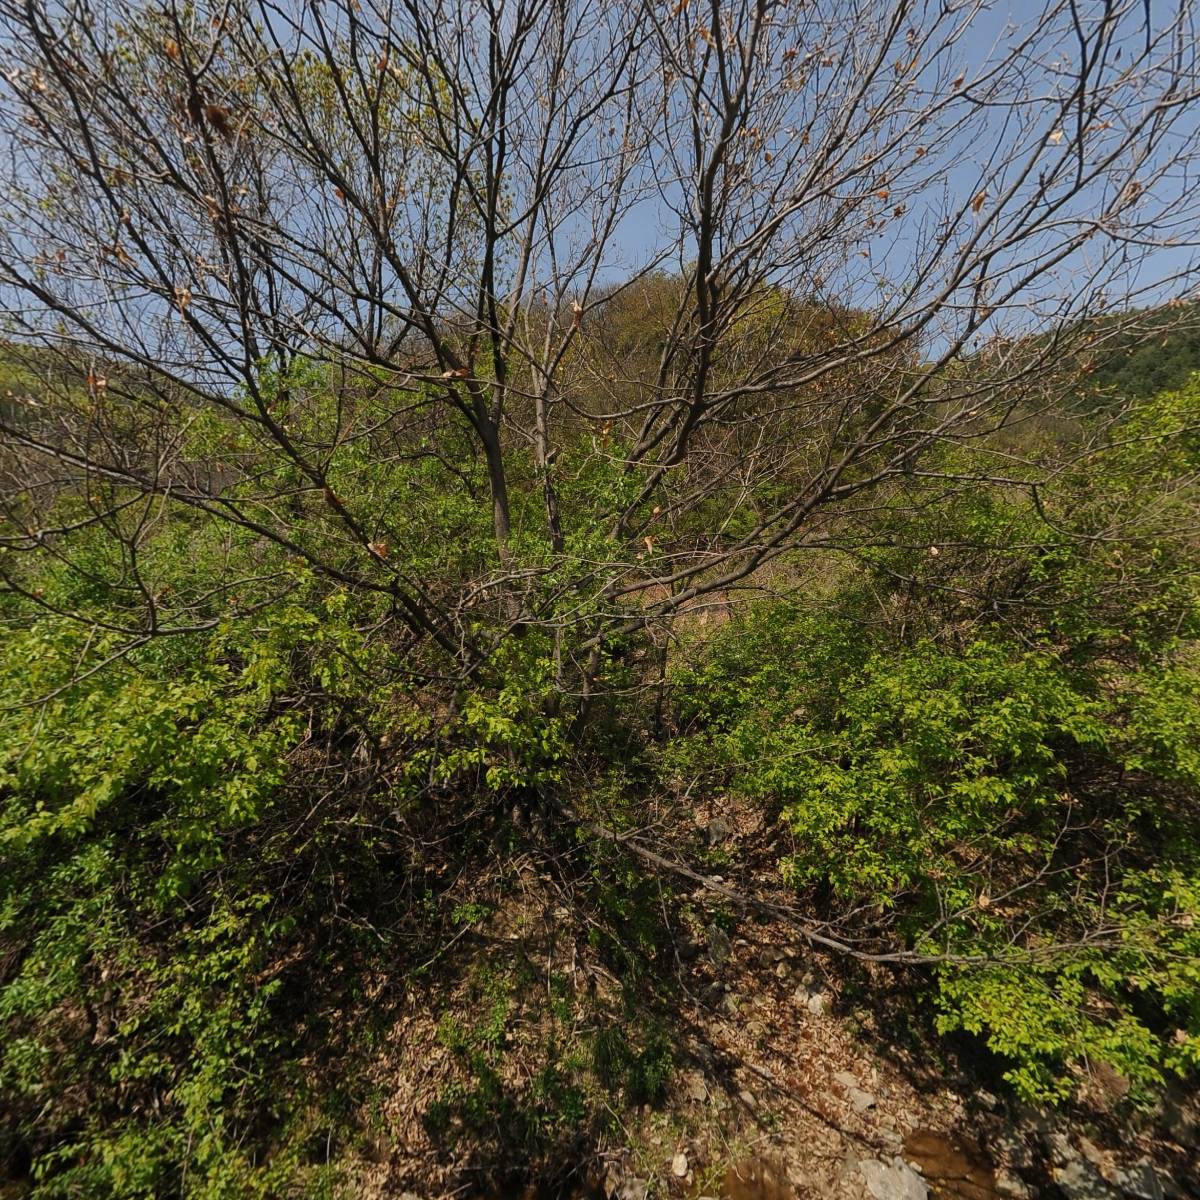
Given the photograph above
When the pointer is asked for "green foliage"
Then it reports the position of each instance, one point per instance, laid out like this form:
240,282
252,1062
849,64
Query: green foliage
981,730
1162,359
164,878
91,744
146,950
641,1072
975,794
529,1114
1003,769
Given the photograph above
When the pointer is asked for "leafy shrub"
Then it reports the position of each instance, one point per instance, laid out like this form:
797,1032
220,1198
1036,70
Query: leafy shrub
169,855
997,762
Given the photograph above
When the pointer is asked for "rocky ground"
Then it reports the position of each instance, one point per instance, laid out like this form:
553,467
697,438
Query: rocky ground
788,1081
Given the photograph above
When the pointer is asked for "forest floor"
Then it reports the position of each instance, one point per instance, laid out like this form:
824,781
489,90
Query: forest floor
791,1074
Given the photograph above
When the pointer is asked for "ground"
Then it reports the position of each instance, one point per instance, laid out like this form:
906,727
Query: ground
734,1061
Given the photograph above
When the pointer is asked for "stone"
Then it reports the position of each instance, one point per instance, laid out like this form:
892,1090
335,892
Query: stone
633,1189
679,1165
954,1164
1060,1148
1012,1148
850,1161
859,1098
717,831
892,1181
719,945
818,1003
1079,1180
1008,1184
1180,1122
1139,1181
1041,1121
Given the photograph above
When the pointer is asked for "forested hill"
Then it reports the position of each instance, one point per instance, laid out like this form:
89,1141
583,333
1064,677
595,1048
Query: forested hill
1159,355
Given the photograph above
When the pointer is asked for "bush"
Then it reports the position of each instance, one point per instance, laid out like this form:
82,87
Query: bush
1002,769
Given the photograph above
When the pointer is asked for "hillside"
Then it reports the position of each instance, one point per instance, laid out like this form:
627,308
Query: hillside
599,599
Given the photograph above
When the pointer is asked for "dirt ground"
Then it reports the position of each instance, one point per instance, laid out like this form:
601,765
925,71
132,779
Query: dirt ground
790,1075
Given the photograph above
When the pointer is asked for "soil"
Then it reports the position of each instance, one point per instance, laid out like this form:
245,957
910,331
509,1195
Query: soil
791,1070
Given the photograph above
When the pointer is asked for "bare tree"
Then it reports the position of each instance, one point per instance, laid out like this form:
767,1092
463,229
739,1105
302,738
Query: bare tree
842,224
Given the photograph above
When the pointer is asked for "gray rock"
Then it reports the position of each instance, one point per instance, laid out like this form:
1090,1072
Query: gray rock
1181,1123
1013,1148
719,945
858,1097
818,1003
1079,1180
1041,1121
892,1181
849,1167
717,831
890,1138
1008,1184
810,996
1061,1149
1140,1181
